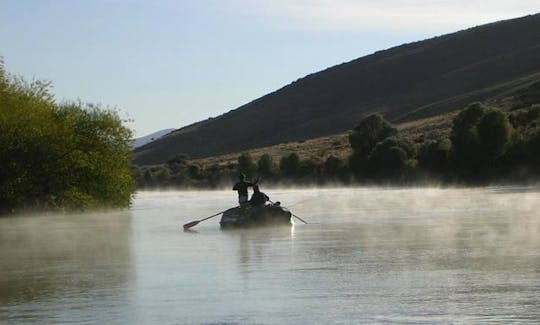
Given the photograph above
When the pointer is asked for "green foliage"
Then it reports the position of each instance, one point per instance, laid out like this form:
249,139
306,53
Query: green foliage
531,143
480,135
70,155
525,118
308,167
246,165
389,157
289,164
265,166
464,134
370,131
434,155
194,171
333,166
178,163
494,131
365,137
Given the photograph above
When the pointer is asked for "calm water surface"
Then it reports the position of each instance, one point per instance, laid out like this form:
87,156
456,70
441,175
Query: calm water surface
371,255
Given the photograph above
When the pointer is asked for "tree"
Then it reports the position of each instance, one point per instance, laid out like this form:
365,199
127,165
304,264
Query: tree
246,165
333,166
265,166
389,157
434,155
370,131
289,164
365,136
178,163
194,171
494,131
70,155
480,135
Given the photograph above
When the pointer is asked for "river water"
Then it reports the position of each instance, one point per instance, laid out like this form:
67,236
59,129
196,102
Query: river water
369,255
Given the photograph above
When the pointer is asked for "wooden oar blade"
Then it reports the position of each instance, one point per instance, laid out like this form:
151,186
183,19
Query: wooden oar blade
191,224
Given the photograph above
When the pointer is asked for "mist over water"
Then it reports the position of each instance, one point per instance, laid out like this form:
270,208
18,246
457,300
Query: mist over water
399,255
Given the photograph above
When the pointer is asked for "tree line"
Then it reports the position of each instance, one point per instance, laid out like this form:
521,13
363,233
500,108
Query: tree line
60,155
485,144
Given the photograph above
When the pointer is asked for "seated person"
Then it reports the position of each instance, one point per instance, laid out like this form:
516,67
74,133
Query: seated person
258,197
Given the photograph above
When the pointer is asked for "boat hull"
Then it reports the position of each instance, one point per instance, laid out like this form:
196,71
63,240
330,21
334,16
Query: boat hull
258,216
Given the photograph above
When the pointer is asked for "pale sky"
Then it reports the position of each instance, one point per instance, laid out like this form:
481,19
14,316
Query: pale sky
166,64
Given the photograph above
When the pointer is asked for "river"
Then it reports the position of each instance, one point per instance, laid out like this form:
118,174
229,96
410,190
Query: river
368,255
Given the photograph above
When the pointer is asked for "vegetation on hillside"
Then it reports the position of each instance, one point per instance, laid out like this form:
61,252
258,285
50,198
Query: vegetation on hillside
52,155
404,83
485,144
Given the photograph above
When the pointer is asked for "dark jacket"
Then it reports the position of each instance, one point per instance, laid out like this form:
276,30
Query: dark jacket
258,198
242,187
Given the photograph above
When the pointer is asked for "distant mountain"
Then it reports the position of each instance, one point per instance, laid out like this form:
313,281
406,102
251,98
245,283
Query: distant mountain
406,82
138,142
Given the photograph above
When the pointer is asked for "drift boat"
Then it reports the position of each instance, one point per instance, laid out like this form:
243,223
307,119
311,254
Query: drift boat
255,216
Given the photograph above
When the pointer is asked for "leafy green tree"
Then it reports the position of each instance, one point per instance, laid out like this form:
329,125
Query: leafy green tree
162,175
246,165
333,166
389,157
434,155
265,166
464,134
365,136
480,134
70,155
370,131
525,118
494,132
289,164
532,146
194,171
178,163
308,167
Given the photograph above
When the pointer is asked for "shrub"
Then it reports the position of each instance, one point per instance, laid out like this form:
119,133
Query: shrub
71,155
289,164
434,155
333,166
246,165
480,135
370,131
265,166
389,157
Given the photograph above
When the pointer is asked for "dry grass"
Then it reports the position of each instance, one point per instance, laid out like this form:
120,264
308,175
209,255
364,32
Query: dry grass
338,144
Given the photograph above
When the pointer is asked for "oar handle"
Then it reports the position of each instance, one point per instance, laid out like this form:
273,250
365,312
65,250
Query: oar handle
212,216
297,217
196,222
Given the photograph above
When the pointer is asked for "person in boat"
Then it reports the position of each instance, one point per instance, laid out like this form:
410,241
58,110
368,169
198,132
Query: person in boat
242,188
258,197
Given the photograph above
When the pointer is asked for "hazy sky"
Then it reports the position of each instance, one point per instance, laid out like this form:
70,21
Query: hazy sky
169,63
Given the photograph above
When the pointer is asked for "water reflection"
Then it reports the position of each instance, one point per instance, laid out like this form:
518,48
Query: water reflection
372,256
63,261
255,245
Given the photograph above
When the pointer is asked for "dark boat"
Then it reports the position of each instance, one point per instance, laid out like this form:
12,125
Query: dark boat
255,216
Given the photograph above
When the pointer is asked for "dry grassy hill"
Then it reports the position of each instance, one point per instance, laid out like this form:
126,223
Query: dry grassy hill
338,144
408,82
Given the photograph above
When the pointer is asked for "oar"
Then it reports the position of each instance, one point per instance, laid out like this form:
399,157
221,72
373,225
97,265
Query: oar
297,217
294,215
196,222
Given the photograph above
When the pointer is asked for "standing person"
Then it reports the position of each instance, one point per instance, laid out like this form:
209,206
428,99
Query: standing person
242,188
258,197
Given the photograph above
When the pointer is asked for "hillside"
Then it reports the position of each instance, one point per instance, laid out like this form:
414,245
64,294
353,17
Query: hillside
336,145
408,82
141,141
